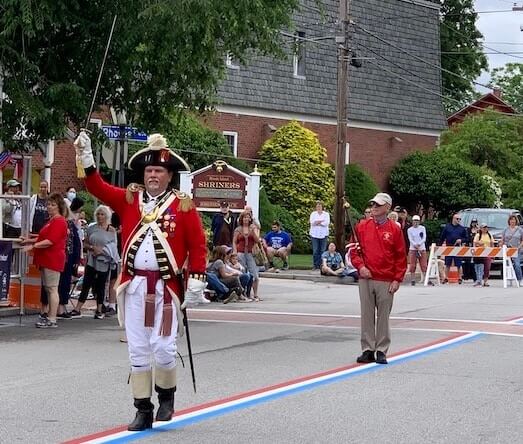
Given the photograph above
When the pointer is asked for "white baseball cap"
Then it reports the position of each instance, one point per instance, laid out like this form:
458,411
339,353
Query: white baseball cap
382,199
416,217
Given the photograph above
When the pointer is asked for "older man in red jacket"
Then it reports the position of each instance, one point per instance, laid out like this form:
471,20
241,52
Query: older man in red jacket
381,264
161,235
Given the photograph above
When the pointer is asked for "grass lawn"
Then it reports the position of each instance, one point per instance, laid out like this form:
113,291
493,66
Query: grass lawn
300,261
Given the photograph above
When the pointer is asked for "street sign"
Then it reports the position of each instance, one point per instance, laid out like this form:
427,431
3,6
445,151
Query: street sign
131,134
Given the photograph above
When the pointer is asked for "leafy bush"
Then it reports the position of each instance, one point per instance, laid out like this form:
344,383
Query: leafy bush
296,172
270,212
440,181
359,187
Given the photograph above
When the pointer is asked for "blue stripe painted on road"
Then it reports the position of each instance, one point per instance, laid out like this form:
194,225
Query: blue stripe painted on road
243,404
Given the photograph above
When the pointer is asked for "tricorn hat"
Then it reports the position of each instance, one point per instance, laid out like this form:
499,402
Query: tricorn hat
157,153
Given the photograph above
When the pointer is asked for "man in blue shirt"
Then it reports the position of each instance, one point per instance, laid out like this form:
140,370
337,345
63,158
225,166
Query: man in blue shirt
454,234
279,244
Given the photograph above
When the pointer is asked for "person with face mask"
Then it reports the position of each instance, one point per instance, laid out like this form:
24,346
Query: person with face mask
70,194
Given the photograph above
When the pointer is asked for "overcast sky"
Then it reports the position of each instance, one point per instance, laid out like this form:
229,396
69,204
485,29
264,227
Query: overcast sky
498,29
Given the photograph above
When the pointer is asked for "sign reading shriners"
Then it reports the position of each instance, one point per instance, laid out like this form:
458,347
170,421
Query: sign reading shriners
218,182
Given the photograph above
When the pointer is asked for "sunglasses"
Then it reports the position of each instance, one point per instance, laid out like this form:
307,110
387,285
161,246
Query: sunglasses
374,204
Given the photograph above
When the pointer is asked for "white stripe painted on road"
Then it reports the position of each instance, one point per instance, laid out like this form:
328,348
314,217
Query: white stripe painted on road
330,315
355,327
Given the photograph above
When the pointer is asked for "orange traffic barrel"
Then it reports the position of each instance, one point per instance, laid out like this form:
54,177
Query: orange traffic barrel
32,285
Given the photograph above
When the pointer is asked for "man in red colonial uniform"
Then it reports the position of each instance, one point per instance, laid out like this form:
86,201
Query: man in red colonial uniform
161,234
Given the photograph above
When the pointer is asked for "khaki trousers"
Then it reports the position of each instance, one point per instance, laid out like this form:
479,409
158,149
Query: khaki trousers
376,304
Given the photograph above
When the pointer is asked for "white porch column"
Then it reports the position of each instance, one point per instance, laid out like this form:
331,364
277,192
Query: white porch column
253,192
186,182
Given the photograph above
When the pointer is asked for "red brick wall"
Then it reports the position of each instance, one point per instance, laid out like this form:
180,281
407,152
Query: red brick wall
63,170
375,150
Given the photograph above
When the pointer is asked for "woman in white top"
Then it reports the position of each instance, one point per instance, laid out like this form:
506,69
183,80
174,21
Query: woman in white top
417,251
319,221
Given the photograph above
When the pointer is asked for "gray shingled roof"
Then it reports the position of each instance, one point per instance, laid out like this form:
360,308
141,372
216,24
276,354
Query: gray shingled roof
375,95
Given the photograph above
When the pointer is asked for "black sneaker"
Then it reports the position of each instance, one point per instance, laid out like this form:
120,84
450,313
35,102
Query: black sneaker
366,357
75,314
381,358
285,266
110,312
104,309
63,315
46,323
99,315
42,317
413,283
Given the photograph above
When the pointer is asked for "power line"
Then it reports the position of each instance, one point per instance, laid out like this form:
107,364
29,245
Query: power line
427,81
421,59
229,156
484,46
436,93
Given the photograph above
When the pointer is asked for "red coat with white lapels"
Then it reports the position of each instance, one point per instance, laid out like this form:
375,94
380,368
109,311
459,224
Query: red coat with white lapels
184,233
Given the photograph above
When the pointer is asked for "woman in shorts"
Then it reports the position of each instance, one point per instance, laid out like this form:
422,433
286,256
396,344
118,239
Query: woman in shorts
49,254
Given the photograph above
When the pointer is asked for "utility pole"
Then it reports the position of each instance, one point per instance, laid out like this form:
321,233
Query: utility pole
342,41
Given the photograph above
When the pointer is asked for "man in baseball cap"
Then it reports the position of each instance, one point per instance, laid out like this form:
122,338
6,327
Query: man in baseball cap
381,262
382,199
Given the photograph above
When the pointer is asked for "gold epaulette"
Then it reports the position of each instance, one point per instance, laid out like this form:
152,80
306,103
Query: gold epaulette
186,202
132,188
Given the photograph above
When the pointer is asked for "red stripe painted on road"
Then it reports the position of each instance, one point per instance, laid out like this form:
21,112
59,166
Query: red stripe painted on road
238,396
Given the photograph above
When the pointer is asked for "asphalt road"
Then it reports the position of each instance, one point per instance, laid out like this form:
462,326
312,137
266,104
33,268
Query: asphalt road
282,371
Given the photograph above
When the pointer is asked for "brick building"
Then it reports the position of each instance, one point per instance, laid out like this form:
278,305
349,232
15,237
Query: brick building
394,107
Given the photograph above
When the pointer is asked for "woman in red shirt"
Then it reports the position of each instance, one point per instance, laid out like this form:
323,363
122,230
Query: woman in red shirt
49,254
244,240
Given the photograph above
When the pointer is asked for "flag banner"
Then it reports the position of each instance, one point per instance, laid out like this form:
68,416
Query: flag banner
6,251
5,158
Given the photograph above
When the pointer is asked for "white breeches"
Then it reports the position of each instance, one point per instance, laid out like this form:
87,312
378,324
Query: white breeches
146,341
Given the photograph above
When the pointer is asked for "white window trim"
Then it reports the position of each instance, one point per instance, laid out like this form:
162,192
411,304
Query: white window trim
297,43
229,62
235,146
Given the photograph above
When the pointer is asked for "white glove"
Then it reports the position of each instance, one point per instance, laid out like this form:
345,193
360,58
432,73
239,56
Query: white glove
84,152
194,294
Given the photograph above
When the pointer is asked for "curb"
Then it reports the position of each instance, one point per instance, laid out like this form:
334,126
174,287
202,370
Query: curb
309,277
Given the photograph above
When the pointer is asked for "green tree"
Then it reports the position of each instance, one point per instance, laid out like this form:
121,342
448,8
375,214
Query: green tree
359,187
442,182
165,55
487,139
295,172
510,79
199,145
462,52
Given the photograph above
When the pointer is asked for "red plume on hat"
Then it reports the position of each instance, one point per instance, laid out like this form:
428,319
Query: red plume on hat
157,153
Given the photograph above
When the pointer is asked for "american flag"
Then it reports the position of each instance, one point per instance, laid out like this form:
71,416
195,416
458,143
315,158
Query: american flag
5,157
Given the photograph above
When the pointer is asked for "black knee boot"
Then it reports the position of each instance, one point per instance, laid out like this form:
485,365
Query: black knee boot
144,415
166,399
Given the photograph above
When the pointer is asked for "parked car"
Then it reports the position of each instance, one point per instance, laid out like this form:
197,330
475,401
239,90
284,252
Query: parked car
496,220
